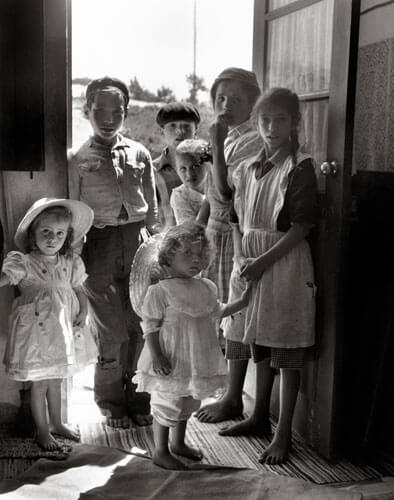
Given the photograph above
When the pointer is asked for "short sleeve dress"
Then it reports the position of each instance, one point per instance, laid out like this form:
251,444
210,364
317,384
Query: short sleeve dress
40,343
186,313
185,203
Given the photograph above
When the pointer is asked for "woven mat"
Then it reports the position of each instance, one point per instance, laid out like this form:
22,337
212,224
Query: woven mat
12,446
240,452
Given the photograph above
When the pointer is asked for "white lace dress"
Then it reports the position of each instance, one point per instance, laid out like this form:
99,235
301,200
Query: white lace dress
186,311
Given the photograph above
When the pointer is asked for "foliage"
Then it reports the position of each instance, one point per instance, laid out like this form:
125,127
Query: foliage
140,125
165,94
196,83
139,93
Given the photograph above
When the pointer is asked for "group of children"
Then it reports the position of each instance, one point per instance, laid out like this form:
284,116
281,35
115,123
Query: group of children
233,217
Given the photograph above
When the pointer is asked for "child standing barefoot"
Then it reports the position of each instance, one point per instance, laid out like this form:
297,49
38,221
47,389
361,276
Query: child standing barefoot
278,199
181,362
40,346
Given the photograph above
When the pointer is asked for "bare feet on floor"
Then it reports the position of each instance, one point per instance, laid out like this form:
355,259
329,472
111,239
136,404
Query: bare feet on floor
167,461
47,441
248,427
66,431
224,409
141,419
118,423
187,451
276,453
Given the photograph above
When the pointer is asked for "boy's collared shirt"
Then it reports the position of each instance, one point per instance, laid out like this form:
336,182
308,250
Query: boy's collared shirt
166,180
116,182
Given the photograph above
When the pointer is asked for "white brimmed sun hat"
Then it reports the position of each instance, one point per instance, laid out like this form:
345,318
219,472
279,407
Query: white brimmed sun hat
82,219
145,270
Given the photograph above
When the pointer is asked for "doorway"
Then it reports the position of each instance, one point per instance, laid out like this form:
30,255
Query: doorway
311,47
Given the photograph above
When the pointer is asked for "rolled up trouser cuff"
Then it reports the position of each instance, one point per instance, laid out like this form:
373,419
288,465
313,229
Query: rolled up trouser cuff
168,410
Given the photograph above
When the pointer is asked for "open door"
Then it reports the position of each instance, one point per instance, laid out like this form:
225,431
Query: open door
311,47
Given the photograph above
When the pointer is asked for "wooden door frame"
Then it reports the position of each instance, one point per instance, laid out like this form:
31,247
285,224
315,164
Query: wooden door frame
324,412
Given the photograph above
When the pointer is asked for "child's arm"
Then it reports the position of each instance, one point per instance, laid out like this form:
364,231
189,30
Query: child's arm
160,363
203,214
237,305
218,132
80,320
148,181
254,267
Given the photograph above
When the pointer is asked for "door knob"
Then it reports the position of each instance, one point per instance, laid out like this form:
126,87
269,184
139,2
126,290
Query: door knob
329,168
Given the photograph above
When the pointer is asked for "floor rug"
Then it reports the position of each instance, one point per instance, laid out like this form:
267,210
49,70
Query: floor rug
95,472
240,452
12,446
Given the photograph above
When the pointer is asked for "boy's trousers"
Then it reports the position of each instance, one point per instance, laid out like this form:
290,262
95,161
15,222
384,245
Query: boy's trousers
108,254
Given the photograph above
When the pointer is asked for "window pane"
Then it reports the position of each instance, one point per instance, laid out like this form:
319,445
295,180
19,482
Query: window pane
275,4
313,130
299,49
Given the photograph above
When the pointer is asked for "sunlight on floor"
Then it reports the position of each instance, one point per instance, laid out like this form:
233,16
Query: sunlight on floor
82,407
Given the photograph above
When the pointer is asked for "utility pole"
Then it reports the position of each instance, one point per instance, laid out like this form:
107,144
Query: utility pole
194,48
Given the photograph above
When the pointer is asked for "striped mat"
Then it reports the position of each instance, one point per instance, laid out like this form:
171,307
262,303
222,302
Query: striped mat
240,452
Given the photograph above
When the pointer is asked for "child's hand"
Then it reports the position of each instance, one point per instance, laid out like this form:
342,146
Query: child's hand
80,320
218,131
252,269
245,297
161,365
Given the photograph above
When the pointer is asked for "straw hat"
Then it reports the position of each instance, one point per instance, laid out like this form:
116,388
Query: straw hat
82,219
145,271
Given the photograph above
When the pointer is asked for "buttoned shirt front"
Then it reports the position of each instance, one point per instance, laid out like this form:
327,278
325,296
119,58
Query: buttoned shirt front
116,182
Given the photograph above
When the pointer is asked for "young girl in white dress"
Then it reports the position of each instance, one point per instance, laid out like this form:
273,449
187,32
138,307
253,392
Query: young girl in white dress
181,362
51,312
193,160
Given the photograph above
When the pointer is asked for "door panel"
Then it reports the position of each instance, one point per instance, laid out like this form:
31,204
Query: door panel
311,47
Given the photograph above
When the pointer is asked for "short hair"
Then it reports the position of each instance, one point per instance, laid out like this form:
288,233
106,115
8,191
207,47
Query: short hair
106,83
177,111
180,238
61,213
247,80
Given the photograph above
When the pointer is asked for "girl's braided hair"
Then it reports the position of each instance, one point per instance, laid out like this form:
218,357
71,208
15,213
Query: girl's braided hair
181,237
288,101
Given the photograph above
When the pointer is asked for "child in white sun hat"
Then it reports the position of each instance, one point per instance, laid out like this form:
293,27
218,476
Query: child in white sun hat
50,317
181,362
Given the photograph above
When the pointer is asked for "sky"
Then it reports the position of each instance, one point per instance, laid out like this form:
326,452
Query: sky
153,40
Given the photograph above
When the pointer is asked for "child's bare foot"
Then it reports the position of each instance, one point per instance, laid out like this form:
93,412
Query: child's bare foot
141,419
118,423
248,427
167,461
187,451
224,409
47,441
276,453
66,431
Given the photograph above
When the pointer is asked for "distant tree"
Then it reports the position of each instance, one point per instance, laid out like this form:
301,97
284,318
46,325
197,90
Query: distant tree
196,83
81,81
165,94
139,93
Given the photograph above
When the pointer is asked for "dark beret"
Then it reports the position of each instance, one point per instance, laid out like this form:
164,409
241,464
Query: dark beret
105,83
177,111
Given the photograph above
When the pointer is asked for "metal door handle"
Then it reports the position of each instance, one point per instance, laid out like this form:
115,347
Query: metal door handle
329,168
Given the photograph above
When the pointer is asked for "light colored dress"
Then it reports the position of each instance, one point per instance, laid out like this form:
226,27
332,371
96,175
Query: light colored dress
185,203
281,311
186,311
40,343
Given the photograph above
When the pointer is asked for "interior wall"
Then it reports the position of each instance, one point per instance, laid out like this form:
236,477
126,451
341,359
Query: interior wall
18,190
374,123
